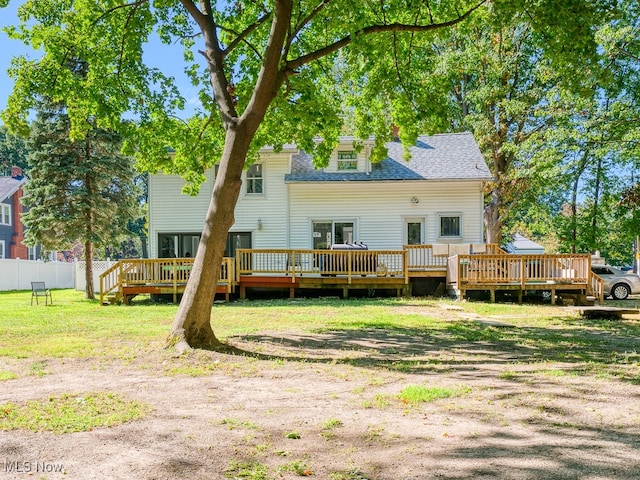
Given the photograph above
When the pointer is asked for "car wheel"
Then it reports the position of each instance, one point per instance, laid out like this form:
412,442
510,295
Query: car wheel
620,291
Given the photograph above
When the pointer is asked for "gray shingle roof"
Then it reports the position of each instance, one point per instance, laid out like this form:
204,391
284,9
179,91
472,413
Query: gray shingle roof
454,156
8,186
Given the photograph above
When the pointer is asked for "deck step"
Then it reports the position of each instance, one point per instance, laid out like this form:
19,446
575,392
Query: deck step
112,299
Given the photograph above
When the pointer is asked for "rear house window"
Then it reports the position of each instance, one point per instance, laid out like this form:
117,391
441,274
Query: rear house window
450,226
255,184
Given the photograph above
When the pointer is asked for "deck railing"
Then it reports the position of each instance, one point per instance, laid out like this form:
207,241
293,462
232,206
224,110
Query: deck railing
519,269
473,268
596,287
156,271
176,271
434,256
296,263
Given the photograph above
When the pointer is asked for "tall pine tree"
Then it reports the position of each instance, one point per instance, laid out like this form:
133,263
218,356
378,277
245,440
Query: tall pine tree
78,191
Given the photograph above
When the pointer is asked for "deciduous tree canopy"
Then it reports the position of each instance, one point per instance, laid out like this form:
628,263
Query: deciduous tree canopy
265,71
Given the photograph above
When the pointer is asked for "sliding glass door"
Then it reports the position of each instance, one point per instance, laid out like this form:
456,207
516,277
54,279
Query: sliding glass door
327,233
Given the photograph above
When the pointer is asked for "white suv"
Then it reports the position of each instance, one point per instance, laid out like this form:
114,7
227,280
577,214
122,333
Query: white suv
617,284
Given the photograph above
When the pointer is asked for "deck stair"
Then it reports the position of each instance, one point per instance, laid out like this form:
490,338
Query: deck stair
112,299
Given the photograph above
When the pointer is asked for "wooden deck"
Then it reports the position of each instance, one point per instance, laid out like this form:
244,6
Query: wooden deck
480,267
161,276
556,274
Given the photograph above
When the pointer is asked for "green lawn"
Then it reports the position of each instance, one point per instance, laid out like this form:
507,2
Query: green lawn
75,327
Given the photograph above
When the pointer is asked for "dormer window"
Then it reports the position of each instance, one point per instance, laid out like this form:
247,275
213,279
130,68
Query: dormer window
347,161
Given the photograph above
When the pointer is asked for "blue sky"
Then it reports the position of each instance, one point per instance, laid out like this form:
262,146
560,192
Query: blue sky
157,54
8,49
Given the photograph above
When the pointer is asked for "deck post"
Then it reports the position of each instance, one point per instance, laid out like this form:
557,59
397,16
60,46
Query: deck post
175,282
120,281
292,261
405,262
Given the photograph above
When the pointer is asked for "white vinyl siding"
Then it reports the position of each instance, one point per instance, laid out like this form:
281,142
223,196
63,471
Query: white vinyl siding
379,210
270,209
172,212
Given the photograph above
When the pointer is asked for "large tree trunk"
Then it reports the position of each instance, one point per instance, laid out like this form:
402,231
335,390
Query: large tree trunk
493,219
192,324
88,270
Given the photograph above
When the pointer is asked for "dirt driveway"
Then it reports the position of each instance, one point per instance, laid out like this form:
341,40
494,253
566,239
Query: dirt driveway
327,405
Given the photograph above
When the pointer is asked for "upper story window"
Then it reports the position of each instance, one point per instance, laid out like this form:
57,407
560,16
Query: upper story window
255,179
450,225
347,160
5,214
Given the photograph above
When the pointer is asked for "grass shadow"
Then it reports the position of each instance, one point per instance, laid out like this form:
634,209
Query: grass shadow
460,345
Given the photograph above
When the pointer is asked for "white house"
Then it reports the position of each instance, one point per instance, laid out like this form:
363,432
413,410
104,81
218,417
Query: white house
435,197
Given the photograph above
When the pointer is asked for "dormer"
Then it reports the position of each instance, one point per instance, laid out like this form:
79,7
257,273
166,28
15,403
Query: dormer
346,158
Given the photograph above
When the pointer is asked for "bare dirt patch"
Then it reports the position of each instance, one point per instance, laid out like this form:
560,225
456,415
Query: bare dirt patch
327,405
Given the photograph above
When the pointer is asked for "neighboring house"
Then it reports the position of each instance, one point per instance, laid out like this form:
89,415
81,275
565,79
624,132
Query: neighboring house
435,197
523,246
11,226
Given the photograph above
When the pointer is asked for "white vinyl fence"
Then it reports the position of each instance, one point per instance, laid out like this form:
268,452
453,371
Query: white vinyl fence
17,274
99,266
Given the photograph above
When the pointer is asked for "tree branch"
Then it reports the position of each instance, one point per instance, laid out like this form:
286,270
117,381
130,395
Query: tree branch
118,7
373,29
240,37
201,19
123,42
307,19
214,57
270,79
627,53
